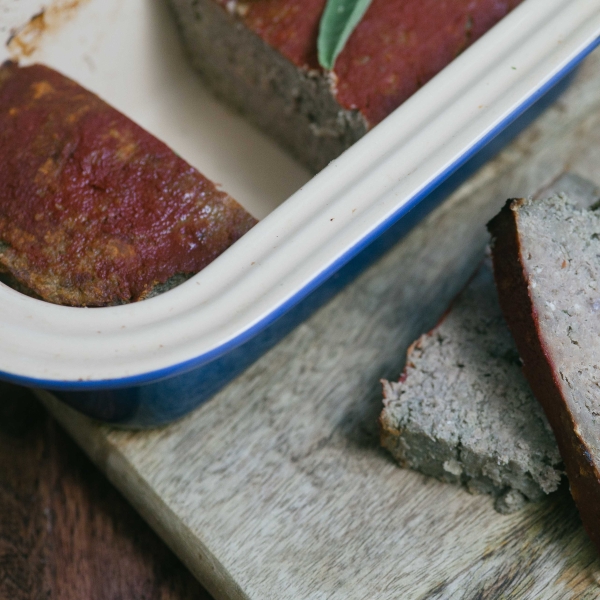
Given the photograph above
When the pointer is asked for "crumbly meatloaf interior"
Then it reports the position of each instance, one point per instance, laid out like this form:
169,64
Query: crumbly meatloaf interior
261,57
547,268
463,411
94,210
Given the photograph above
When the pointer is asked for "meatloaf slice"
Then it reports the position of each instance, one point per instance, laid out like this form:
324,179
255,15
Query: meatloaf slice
261,57
463,412
547,267
94,210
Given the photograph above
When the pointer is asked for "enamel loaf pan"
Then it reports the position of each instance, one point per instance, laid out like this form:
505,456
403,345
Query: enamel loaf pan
151,362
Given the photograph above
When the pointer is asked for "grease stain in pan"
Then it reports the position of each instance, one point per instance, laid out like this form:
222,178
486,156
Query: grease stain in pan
27,40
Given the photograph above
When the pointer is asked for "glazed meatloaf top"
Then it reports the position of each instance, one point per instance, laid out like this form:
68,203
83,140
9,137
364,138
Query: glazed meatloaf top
94,210
397,47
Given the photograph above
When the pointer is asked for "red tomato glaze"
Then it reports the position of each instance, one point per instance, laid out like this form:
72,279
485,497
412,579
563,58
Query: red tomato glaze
397,47
93,209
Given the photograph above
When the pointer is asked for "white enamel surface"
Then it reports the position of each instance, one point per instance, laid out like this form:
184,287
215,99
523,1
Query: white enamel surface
304,235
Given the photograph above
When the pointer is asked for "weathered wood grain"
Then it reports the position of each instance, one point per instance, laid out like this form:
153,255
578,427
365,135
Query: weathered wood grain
65,532
277,487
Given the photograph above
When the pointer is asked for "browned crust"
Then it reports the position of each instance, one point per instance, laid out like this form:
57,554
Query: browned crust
94,210
388,438
520,314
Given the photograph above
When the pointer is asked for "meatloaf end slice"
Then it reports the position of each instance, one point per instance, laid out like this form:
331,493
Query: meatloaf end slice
95,211
547,270
463,412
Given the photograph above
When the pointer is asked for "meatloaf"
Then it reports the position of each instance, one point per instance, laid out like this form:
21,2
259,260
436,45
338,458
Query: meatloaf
261,57
547,269
463,412
94,210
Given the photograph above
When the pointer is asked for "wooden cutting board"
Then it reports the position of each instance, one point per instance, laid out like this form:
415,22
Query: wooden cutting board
277,488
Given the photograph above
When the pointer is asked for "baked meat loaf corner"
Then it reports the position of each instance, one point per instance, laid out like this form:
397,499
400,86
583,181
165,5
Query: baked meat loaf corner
260,56
95,211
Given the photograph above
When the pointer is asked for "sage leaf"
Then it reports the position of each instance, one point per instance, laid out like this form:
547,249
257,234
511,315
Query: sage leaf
339,20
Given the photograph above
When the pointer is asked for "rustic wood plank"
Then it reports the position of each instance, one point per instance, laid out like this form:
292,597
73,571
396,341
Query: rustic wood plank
65,532
277,487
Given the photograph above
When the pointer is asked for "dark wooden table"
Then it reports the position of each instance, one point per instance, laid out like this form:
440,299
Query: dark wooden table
65,532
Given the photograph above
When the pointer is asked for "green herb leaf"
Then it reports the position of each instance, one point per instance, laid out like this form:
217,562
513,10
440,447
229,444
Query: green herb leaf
337,23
